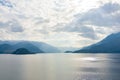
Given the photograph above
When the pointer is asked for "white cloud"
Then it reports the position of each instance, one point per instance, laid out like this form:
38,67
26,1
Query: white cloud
12,25
59,22
6,3
107,15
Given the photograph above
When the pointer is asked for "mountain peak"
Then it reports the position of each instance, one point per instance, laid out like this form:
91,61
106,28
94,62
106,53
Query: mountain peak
33,46
22,51
110,44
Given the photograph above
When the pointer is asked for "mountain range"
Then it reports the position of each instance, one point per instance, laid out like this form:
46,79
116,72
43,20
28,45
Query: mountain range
110,44
10,46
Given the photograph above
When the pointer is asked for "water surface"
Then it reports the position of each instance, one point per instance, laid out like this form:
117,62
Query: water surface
60,67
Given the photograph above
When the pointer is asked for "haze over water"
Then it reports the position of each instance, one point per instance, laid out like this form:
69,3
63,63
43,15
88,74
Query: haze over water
60,67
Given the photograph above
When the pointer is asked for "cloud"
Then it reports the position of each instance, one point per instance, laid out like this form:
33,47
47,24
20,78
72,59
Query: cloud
88,32
58,20
12,26
6,3
110,7
16,27
3,24
84,31
40,20
107,16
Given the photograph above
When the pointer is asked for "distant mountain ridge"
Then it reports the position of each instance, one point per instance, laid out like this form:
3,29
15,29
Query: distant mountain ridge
27,45
5,48
9,46
110,44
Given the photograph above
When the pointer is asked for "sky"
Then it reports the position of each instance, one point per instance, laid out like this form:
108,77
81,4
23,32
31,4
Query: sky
62,23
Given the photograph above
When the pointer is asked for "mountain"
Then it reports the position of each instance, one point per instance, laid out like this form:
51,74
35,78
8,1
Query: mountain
8,48
111,44
22,51
29,46
5,48
47,48
65,49
32,46
68,51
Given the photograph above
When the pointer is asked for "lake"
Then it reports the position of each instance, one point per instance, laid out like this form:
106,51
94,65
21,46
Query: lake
60,67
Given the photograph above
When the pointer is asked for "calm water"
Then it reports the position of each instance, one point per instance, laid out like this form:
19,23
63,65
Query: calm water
60,67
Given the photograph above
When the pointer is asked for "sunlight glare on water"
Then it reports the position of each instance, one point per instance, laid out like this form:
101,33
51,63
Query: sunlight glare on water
60,67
